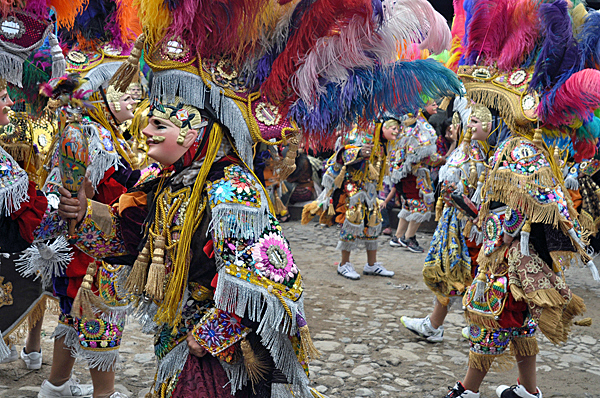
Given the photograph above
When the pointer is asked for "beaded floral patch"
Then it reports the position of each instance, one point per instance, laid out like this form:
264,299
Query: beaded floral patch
237,187
218,331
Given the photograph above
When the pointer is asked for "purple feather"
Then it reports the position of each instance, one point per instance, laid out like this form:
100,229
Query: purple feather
560,55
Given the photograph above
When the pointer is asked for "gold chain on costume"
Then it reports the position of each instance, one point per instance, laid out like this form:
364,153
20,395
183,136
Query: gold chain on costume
168,310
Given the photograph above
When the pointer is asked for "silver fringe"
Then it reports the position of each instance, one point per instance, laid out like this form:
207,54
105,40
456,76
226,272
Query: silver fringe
4,348
347,246
104,361
45,260
167,86
101,159
571,183
237,375
416,217
11,68
275,326
15,191
171,364
99,76
371,245
239,221
145,313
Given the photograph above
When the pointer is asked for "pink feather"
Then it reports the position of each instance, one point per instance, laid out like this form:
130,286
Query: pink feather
487,31
438,36
523,32
578,97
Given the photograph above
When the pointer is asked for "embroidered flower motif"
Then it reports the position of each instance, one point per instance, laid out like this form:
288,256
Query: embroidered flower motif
231,324
222,191
213,334
273,258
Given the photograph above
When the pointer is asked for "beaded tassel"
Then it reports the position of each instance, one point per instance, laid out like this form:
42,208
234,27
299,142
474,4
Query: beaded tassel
137,277
156,276
86,302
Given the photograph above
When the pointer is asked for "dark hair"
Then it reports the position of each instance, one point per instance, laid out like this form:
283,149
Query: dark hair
445,124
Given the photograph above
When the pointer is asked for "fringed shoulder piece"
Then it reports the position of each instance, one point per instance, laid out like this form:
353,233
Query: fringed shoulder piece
14,183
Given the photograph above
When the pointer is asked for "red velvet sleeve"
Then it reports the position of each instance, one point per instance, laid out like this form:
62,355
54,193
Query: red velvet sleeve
29,216
108,190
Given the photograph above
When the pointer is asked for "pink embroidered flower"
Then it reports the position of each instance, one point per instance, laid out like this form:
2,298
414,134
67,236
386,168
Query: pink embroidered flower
273,258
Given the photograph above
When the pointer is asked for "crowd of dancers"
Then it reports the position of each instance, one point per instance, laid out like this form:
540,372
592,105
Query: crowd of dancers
147,146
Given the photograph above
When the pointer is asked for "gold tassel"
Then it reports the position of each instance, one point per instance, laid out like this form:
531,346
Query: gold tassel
308,212
137,277
373,173
288,165
330,209
439,208
122,79
584,322
255,367
280,208
86,302
339,180
284,188
373,221
538,138
156,276
308,346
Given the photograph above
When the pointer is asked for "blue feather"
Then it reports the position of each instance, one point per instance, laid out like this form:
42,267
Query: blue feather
369,92
589,39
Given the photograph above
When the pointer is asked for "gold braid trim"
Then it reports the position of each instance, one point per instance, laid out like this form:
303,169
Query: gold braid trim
168,310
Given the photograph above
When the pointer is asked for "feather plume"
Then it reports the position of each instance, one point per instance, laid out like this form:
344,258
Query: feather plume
367,94
468,12
578,15
66,11
155,17
589,39
487,31
522,34
323,18
438,35
577,98
560,56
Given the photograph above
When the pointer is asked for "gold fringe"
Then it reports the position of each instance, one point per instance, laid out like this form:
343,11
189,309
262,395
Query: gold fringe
584,322
524,346
309,211
439,208
86,303
155,285
484,363
308,346
373,173
255,365
137,277
486,321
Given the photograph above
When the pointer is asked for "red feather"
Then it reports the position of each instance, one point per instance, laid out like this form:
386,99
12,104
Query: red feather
487,31
322,19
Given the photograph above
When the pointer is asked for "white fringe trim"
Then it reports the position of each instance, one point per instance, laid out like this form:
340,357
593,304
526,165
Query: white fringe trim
104,361
416,217
4,348
99,76
101,159
45,260
571,183
275,326
13,191
171,364
236,220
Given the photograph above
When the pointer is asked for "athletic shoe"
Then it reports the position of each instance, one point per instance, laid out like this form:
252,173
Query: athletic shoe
395,242
377,269
347,271
14,355
413,245
118,395
387,231
517,391
422,327
33,360
71,388
458,391
465,332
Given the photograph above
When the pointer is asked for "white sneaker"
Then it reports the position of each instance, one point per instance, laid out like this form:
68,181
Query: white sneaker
458,391
14,355
118,395
423,328
71,388
347,271
377,269
33,360
517,391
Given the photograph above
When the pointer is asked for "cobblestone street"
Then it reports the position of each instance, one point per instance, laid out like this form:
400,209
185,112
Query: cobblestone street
356,325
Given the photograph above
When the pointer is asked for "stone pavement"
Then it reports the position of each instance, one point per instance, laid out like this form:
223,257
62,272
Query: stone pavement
356,324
